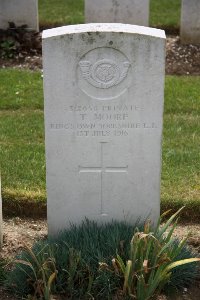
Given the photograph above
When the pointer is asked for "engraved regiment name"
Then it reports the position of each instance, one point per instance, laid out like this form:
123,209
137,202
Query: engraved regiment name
101,121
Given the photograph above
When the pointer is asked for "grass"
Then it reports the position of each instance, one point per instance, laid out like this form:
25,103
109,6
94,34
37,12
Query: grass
22,141
92,244
22,135
61,12
22,130
22,91
181,156
163,13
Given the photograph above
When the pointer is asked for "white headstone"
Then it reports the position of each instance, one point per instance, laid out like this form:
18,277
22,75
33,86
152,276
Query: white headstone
103,86
190,22
21,12
119,11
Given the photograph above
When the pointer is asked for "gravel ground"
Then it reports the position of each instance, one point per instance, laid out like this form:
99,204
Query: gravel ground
18,232
180,59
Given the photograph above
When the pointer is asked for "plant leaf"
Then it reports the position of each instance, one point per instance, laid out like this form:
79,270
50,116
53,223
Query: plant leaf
181,262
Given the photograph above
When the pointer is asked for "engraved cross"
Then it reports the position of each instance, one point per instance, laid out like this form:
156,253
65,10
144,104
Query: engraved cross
102,169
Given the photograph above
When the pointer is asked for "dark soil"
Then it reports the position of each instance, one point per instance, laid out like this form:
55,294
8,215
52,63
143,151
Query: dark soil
182,59
22,49
4,295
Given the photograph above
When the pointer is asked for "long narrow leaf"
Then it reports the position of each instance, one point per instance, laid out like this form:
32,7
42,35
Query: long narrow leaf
159,221
127,275
168,237
178,249
163,249
26,263
181,262
168,223
121,264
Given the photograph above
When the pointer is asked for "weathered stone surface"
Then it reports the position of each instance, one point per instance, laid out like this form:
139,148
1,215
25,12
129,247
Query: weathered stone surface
190,22
119,11
103,86
20,12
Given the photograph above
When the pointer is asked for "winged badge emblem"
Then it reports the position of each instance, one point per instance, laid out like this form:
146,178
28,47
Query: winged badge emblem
104,73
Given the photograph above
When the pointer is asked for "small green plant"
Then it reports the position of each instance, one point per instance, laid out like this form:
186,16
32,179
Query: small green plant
78,275
153,256
77,253
79,263
40,270
3,264
7,49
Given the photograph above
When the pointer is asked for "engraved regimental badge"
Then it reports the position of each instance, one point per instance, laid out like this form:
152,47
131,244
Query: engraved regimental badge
103,73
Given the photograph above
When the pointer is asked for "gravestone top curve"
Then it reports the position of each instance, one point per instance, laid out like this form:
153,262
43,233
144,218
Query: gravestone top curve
107,27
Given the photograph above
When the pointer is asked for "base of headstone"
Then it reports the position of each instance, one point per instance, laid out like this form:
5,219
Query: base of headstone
19,12
190,22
